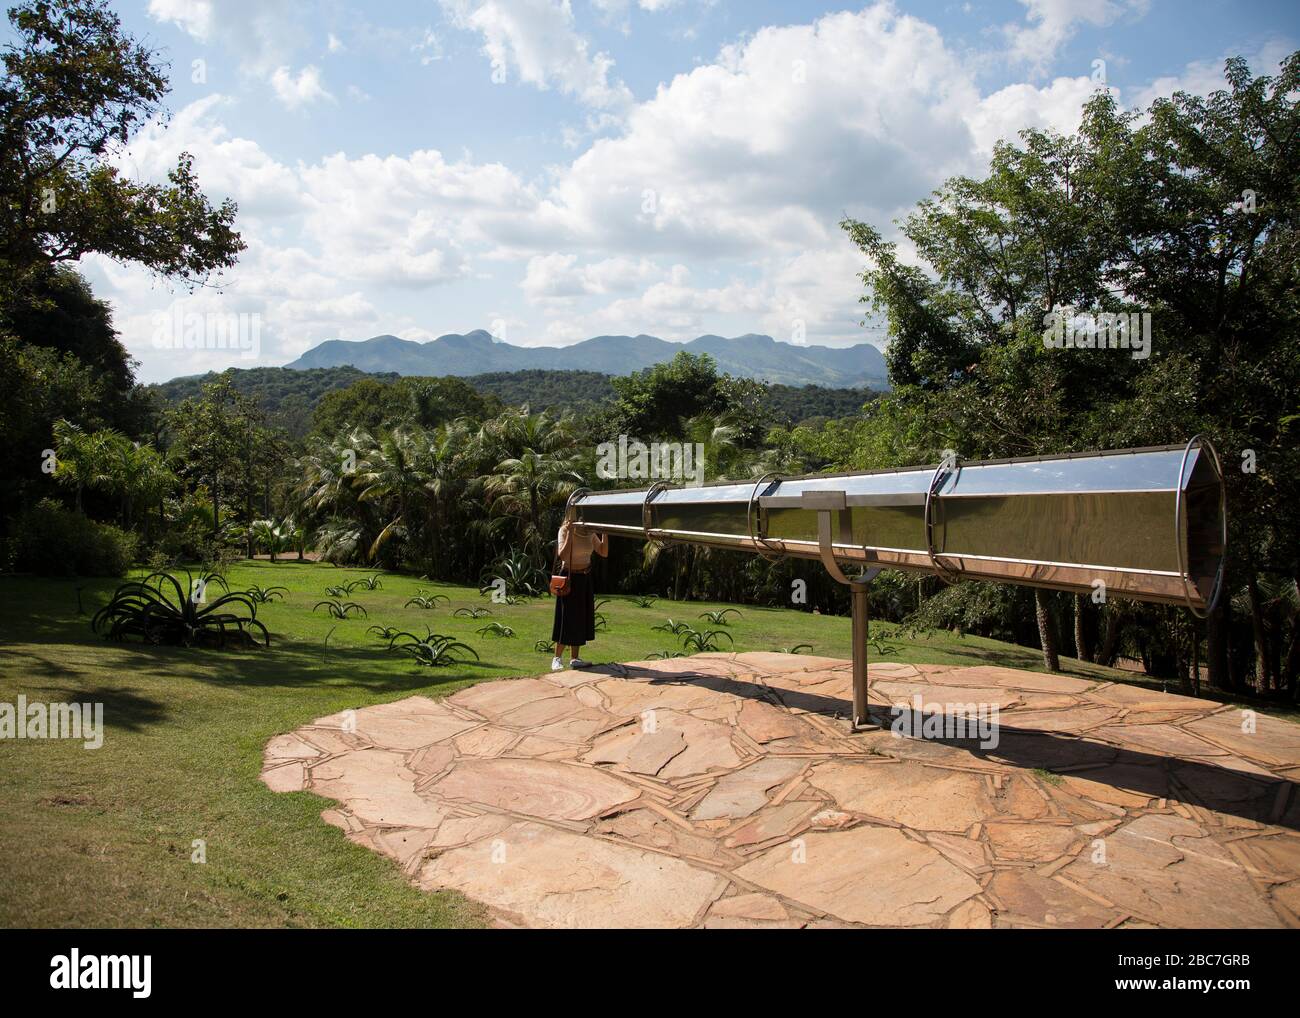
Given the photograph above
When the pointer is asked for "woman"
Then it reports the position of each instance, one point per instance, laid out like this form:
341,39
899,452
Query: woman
575,612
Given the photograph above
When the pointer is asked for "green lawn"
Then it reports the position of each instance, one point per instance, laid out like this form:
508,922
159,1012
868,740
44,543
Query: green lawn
103,837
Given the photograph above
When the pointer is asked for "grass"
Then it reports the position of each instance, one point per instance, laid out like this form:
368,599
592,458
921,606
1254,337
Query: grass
104,837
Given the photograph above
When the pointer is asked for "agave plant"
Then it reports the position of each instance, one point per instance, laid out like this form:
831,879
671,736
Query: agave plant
428,601
433,650
368,582
719,618
341,609
158,610
644,602
384,632
495,629
602,623
337,592
516,575
798,648
264,595
676,628
471,613
543,646
663,655
698,642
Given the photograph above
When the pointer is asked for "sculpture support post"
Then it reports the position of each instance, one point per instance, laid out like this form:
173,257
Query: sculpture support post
859,589
826,503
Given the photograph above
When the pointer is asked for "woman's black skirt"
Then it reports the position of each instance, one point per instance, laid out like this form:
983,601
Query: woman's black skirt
575,613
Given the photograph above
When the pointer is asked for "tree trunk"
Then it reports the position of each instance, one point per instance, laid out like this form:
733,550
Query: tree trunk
1262,676
1080,636
1216,648
1046,632
1110,640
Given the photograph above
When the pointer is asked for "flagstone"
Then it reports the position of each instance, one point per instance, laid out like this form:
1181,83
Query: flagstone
741,792
872,875
1030,842
289,777
763,722
538,788
492,699
1272,742
906,793
773,822
1025,893
1167,869
552,878
377,787
642,794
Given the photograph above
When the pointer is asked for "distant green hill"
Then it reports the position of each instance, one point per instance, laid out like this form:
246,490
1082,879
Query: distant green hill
289,395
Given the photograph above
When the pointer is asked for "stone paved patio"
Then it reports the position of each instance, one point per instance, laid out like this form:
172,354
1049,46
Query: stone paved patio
725,791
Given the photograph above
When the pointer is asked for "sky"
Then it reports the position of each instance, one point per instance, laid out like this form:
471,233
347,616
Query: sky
551,170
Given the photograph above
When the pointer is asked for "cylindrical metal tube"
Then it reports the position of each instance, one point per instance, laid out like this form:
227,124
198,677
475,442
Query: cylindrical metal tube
1141,523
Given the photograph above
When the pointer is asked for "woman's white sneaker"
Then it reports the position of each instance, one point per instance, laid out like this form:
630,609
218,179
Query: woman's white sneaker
557,665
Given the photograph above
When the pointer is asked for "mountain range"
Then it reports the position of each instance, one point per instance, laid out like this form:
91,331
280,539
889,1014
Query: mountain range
475,353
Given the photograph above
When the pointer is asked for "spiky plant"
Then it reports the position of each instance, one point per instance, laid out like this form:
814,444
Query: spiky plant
697,642
428,602
543,646
341,609
384,632
644,602
369,582
495,629
719,618
157,610
433,650
471,613
676,628
264,595
338,591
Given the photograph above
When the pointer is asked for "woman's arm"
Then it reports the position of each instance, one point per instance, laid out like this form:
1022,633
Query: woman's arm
563,541
600,544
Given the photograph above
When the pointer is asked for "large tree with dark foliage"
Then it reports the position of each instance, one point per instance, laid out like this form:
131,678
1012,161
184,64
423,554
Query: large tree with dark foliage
1189,211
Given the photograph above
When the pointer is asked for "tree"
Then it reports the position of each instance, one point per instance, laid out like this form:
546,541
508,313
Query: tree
1187,212
211,441
74,86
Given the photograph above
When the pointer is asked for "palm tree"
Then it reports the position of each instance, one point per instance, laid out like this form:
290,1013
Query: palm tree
537,472
83,459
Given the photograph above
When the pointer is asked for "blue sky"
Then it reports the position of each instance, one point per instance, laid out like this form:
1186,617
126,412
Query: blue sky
555,170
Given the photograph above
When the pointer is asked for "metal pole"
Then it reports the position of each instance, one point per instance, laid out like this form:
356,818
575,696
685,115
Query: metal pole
858,590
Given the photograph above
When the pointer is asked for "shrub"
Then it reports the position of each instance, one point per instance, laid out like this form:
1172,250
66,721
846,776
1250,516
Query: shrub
51,540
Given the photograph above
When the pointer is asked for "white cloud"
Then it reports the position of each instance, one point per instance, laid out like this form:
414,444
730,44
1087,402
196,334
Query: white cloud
1051,23
303,90
192,16
334,44
556,277
536,41
714,203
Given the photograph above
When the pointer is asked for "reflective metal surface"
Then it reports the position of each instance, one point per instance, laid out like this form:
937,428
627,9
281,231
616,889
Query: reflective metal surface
1147,523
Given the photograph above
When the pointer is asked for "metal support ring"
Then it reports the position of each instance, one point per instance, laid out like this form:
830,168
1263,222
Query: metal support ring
647,516
758,537
944,572
1201,442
